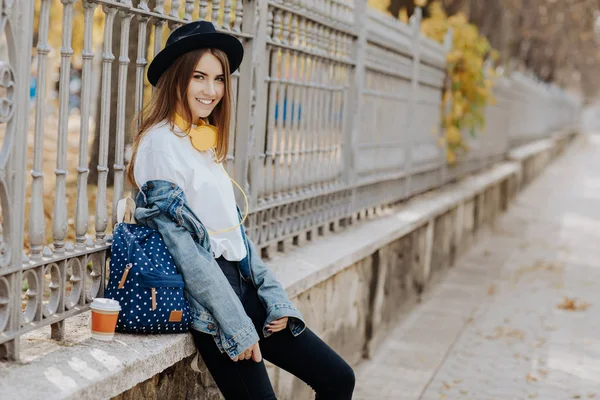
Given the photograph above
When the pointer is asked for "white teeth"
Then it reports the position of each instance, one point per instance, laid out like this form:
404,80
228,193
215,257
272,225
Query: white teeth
204,101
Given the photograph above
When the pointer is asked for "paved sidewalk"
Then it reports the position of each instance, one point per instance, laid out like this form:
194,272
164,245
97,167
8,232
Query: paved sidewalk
494,328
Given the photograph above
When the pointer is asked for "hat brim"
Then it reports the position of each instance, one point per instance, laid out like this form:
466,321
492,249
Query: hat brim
216,40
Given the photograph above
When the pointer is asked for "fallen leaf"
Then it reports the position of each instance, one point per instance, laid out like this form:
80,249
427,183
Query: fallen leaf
543,371
591,395
576,396
447,385
533,395
464,392
491,289
531,378
572,304
539,265
457,381
506,332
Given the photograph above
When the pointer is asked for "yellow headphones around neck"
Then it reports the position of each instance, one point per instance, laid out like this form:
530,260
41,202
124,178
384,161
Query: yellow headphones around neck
203,138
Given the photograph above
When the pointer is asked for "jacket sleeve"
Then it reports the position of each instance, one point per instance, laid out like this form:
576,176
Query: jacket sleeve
273,295
208,285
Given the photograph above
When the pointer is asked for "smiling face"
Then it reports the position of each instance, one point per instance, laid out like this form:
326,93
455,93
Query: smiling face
206,87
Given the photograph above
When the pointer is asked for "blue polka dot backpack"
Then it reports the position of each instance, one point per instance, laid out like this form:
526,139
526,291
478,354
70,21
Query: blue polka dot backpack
144,279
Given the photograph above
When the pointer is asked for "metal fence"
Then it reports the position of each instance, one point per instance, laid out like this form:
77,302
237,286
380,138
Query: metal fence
337,111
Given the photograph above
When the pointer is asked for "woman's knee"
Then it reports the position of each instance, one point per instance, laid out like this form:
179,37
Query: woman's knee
348,378
345,381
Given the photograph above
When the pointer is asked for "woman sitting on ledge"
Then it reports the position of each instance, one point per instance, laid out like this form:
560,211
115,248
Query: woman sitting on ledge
240,311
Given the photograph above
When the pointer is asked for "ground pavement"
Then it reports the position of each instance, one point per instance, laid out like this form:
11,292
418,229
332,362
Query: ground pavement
518,316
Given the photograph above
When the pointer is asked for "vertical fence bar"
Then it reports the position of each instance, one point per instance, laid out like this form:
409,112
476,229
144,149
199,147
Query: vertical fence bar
119,167
448,39
21,63
216,6
227,14
239,16
245,107
189,10
279,133
203,9
287,134
140,64
101,222
37,226
260,64
312,147
300,171
320,131
273,83
158,27
353,109
293,100
81,211
59,216
414,98
174,12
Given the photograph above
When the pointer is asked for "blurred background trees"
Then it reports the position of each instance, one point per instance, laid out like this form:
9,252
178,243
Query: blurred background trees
557,40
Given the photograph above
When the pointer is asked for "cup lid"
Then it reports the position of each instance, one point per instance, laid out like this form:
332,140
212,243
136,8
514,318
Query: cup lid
105,304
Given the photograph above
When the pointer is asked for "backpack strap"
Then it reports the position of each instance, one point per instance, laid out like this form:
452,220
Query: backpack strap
126,210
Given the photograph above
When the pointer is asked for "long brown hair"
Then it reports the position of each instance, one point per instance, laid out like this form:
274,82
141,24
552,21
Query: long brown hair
171,90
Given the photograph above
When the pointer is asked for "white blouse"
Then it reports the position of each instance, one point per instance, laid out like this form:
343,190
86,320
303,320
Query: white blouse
163,155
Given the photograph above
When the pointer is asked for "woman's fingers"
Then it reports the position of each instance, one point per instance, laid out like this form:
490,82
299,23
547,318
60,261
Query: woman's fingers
277,325
276,328
277,322
245,355
256,354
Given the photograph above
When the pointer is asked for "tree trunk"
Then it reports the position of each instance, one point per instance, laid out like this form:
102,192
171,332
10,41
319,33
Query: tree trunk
396,5
454,6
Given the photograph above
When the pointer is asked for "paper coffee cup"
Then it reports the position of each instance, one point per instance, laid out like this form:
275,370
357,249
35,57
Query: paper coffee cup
104,318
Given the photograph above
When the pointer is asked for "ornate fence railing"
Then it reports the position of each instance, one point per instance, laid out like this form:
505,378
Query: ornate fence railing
337,112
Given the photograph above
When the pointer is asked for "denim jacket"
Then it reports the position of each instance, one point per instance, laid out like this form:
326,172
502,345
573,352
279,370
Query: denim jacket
215,307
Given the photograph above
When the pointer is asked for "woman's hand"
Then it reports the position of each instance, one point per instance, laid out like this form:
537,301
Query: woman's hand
251,352
277,325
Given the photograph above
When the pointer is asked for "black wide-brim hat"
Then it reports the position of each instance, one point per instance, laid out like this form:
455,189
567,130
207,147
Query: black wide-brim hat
193,36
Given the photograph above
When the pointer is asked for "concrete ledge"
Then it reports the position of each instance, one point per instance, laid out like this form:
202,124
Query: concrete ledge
360,257
531,149
91,369
306,267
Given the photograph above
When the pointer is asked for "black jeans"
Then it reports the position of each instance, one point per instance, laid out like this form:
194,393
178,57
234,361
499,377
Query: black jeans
305,356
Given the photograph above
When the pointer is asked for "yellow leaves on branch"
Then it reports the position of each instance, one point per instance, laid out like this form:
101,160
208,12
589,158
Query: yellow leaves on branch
468,88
